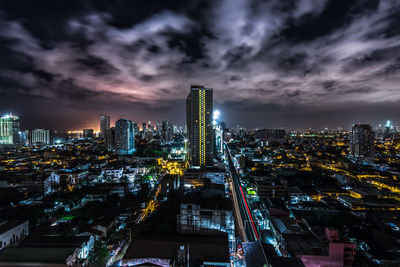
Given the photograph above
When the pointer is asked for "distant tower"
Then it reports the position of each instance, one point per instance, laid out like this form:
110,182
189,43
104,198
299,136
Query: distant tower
9,129
124,136
362,139
104,124
199,112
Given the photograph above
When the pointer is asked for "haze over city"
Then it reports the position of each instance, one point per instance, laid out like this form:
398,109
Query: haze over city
271,63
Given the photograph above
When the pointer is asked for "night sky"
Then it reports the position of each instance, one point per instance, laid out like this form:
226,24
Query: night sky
293,64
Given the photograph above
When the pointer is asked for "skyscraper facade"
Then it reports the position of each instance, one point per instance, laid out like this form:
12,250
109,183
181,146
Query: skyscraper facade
104,124
136,127
199,112
362,139
166,131
41,136
219,137
9,129
124,136
109,138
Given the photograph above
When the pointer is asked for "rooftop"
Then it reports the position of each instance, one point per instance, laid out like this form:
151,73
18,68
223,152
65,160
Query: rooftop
305,245
214,248
36,255
55,241
8,225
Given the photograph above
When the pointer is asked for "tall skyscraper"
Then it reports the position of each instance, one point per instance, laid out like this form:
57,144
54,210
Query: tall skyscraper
41,136
9,129
362,139
104,124
124,136
199,112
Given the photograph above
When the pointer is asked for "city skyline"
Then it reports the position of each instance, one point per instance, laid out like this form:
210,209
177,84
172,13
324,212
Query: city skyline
96,125
200,133
276,65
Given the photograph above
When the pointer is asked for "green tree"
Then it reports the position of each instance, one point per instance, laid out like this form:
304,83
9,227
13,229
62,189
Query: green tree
99,255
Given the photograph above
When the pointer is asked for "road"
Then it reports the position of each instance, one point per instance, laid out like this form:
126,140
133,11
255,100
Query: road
245,219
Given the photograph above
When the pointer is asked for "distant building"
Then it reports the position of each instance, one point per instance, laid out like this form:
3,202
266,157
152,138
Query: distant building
362,139
167,131
104,124
265,136
41,136
158,127
23,137
199,111
9,129
144,127
88,133
109,138
136,127
124,136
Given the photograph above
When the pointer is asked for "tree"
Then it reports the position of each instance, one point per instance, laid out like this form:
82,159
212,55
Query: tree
99,255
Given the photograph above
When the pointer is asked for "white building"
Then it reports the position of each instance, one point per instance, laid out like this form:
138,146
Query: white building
51,183
12,232
193,218
41,136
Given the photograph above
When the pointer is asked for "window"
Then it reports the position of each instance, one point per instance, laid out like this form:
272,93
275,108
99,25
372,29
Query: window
206,213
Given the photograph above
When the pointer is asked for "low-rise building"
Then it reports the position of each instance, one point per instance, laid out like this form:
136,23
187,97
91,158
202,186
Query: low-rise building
177,250
12,232
194,218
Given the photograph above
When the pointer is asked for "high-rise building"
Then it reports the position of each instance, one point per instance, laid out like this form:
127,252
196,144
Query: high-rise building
104,124
41,136
124,136
362,139
136,127
199,112
158,128
219,128
144,127
109,138
166,131
9,129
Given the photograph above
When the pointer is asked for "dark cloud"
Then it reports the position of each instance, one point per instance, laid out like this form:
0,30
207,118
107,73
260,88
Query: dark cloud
271,63
96,65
